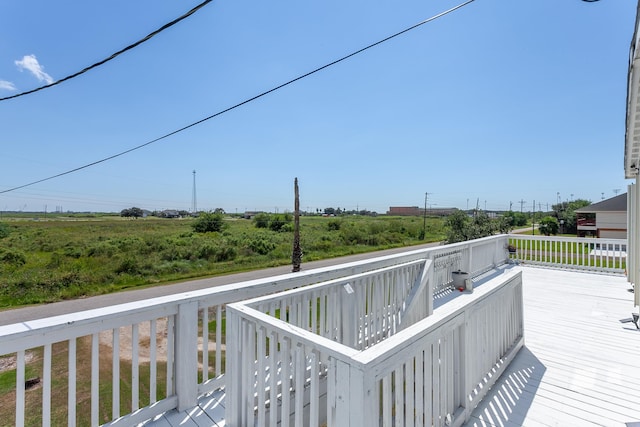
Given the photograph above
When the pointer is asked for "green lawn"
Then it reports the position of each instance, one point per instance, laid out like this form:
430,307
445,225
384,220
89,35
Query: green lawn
43,261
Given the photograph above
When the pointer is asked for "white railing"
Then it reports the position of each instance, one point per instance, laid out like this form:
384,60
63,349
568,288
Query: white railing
433,372
124,364
593,254
359,310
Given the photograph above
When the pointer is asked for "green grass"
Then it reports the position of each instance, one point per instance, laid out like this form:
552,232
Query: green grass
59,386
43,261
567,253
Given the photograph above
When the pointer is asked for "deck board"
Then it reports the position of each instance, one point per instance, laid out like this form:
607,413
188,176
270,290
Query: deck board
580,365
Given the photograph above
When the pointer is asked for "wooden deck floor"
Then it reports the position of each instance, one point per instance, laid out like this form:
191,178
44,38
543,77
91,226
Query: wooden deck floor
580,365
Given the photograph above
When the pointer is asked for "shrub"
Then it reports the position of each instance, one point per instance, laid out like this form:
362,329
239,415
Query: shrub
106,249
226,253
261,220
56,261
261,245
128,265
548,226
11,257
208,222
207,251
333,225
287,228
4,230
279,221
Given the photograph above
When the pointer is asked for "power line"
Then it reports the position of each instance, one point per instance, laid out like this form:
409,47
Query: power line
246,101
114,55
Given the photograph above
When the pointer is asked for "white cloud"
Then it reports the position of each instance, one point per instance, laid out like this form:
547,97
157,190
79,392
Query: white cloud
5,85
30,63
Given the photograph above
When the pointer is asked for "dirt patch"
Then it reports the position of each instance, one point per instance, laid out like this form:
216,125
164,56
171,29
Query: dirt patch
11,362
144,342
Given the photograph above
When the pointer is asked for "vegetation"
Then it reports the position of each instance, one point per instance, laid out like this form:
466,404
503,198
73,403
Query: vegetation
462,227
274,222
209,222
63,257
132,213
548,226
515,219
4,230
566,212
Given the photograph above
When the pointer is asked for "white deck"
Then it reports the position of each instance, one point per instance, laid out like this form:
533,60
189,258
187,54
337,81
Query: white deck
580,365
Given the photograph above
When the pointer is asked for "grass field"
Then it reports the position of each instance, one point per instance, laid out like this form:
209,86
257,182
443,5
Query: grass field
50,258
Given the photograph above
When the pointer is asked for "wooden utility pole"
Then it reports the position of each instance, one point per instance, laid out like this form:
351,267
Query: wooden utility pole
296,257
424,216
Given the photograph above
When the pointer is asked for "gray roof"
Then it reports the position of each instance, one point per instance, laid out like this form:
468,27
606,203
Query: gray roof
614,204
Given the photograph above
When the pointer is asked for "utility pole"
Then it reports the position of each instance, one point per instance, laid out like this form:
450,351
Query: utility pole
194,205
533,218
521,206
296,256
424,216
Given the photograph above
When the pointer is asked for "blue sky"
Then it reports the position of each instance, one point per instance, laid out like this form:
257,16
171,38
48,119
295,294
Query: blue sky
497,102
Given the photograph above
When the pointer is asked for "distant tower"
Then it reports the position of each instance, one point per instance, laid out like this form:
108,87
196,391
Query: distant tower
194,204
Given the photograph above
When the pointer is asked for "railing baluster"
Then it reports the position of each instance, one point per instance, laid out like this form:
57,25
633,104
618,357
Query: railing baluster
71,389
400,406
205,344
386,401
219,342
314,410
95,379
285,381
20,396
254,373
115,372
135,368
170,345
299,386
274,357
410,412
260,388
153,362
46,386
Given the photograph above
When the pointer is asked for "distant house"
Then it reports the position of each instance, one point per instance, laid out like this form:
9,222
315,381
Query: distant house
170,213
251,214
605,219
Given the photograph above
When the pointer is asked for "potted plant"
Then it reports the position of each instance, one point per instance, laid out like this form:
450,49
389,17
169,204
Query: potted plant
511,248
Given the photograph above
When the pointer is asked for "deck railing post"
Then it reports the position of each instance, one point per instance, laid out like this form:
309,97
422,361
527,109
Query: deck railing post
355,404
186,355
233,409
430,266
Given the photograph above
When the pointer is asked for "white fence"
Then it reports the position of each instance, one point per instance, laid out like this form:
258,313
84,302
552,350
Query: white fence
124,364
431,373
592,254
174,348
